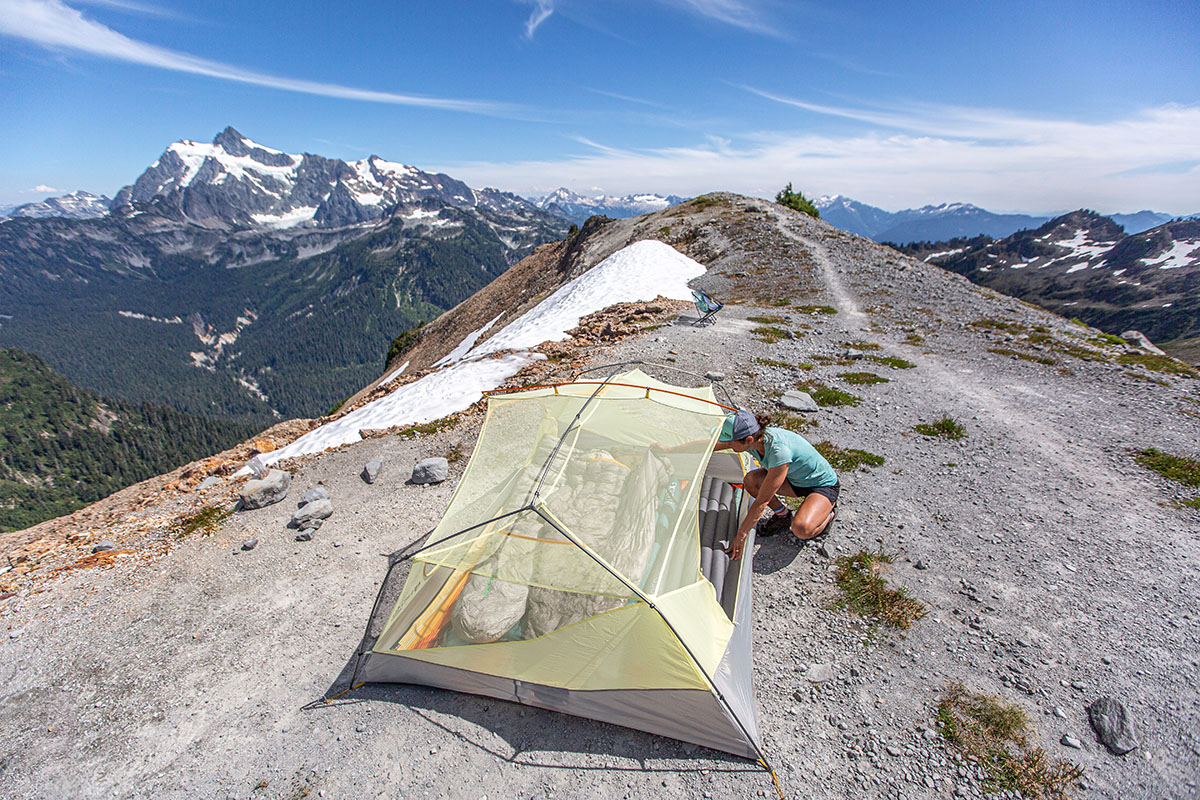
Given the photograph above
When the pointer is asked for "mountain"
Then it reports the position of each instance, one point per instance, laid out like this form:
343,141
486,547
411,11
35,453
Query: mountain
929,223
235,280
65,447
577,208
1140,221
76,205
1085,265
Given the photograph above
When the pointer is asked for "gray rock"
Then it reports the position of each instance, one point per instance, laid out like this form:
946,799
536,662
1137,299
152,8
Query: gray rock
271,489
894,751
250,544
854,354
715,376
371,470
208,483
920,564
826,550
797,400
819,673
258,468
431,470
318,509
1071,741
1112,724
100,547
1140,339
310,524
304,536
315,493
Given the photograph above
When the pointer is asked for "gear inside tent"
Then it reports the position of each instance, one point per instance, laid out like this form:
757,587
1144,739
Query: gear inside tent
580,566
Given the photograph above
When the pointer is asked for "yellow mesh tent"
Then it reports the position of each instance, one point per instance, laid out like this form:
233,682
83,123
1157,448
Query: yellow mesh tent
580,566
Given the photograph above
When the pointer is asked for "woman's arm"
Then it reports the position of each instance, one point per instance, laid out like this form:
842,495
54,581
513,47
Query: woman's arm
766,493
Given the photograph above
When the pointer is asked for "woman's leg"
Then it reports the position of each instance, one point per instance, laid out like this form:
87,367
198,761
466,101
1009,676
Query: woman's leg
812,516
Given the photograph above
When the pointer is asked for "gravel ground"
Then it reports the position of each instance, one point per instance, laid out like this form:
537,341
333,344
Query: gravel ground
1056,570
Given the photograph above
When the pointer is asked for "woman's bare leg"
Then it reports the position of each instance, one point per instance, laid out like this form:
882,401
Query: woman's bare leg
812,516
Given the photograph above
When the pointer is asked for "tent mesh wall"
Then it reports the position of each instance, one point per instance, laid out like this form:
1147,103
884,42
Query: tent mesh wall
620,473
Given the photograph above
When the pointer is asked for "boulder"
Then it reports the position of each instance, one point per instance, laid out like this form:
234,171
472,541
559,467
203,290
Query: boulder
431,470
1112,724
371,470
318,509
1140,339
798,401
268,490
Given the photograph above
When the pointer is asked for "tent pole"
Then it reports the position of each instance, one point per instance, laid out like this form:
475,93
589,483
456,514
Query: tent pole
708,678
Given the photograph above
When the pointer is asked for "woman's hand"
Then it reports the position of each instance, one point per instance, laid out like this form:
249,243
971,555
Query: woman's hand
734,551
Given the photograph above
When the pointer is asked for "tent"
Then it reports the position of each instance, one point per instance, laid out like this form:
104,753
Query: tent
579,566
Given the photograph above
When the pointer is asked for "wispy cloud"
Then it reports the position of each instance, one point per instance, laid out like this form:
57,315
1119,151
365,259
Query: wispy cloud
542,9
53,24
42,188
738,13
997,159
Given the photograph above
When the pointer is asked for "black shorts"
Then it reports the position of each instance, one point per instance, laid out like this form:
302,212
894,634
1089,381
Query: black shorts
830,493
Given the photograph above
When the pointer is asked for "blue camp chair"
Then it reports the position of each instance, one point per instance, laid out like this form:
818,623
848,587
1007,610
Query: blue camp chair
706,307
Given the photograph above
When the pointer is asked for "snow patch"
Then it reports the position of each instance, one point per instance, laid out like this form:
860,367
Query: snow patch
288,219
1180,255
640,272
466,344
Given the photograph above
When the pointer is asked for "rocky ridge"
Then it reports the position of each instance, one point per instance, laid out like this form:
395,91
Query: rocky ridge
1044,584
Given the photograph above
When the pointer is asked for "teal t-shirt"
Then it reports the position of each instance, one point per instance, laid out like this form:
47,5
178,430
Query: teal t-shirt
806,467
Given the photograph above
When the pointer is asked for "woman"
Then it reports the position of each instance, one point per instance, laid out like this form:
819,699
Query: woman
791,467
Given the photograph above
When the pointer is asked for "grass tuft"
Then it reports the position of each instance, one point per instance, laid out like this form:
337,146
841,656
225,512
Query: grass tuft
1176,468
988,323
826,396
1158,364
862,378
1004,351
892,361
866,593
847,459
206,519
428,428
816,309
770,334
993,734
794,422
945,426
767,319
864,346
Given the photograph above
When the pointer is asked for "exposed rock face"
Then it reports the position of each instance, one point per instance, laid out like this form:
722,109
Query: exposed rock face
265,492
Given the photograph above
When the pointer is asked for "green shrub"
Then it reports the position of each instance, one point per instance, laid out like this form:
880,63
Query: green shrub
770,334
814,310
1158,364
206,519
892,361
403,342
796,201
866,593
1176,468
767,319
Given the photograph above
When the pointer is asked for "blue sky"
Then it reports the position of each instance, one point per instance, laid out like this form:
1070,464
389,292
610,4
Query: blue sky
1031,107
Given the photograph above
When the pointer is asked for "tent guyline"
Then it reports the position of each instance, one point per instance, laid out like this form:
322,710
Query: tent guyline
639,630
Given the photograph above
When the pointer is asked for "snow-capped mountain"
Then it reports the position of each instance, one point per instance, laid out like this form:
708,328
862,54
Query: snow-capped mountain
76,205
577,207
928,223
1084,265
236,182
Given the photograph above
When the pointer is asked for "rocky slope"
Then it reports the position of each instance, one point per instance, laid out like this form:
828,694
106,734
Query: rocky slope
577,207
1054,567
76,205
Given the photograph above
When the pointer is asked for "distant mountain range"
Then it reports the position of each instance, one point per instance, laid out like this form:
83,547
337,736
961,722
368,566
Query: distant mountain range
1085,265
233,279
577,208
76,205
947,221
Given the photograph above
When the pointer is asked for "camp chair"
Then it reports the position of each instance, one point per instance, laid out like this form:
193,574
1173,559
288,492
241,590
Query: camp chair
706,306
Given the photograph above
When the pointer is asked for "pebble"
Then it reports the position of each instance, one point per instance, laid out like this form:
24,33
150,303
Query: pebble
819,673
250,544
920,564
102,546
1071,741
715,376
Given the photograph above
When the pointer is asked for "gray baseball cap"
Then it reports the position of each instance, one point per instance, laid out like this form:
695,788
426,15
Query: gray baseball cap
738,425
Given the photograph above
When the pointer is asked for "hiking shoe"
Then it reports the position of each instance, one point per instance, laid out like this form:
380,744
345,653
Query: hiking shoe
775,523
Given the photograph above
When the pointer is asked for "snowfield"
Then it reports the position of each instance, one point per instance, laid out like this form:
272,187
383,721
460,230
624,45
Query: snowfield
640,272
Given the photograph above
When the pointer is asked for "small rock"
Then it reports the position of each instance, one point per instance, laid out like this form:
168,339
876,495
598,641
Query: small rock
310,524
1071,741
16,634
1112,724
250,544
819,673
431,470
894,751
316,493
371,470
797,400
314,510
305,535
102,546
715,376
337,544
268,490
825,550
920,564
1058,712
258,468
